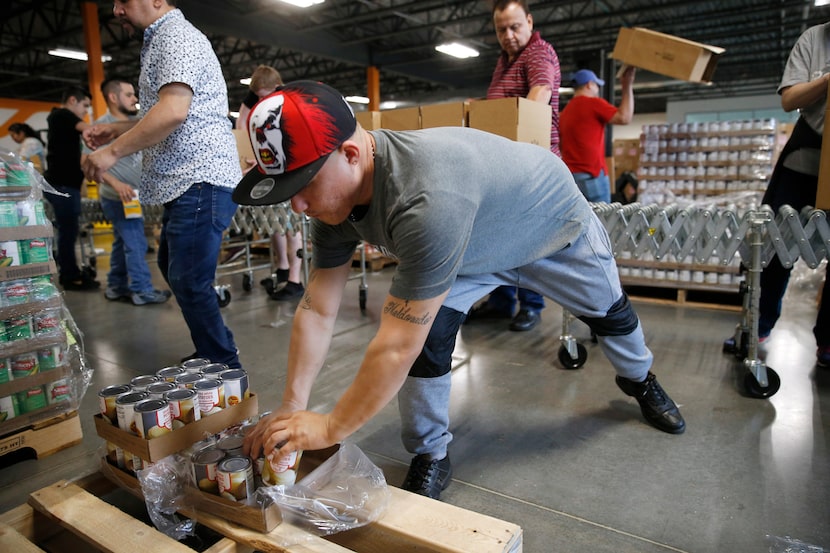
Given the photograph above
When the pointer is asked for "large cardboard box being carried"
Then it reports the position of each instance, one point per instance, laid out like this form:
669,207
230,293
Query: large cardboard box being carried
448,114
518,119
666,54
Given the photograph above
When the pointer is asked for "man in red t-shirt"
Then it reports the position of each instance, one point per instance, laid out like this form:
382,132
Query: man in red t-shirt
582,130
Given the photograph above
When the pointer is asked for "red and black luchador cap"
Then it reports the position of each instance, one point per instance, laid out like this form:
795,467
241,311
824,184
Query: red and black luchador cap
293,131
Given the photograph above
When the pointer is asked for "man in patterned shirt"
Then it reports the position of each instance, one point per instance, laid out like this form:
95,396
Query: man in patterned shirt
528,67
190,164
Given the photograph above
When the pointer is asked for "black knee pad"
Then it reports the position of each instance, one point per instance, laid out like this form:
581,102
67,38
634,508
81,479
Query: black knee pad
619,321
436,357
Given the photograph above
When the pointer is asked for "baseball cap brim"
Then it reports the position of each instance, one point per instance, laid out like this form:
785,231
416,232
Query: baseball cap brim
257,188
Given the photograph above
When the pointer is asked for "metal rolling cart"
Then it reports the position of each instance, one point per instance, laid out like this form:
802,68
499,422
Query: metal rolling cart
720,236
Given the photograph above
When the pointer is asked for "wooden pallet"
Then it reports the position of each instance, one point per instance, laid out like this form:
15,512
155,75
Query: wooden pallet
71,516
689,296
45,437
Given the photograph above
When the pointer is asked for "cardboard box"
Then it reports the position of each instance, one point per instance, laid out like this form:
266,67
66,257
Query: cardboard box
449,114
626,156
666,54
179,439
404,119
261,519
518,119
369,120
823,188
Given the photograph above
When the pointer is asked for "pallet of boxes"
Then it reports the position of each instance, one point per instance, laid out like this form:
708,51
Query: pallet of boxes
43,374
176,437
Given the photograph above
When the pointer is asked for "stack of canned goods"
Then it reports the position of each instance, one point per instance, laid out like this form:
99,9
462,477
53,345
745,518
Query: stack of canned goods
223,469
151,406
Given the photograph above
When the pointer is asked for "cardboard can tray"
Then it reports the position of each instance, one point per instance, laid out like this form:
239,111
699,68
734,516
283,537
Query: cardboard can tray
179,439
251,516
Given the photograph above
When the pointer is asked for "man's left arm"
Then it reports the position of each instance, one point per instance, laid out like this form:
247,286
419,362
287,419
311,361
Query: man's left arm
162,119
403,330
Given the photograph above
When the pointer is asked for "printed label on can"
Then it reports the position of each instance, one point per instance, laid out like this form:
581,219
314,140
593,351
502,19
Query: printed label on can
204,464
236,386
15,292
152,418
211,396
31,400
16,174
19,328
34,250
9,253
236,478
47,321
106,400
58,391
8,408
50,358
125,410
8,214
25,364
283,471
5,370
183,407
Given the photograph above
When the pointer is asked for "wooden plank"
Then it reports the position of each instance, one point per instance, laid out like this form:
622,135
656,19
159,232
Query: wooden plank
29,523
227,545
92,519
46,440
418,524
12,540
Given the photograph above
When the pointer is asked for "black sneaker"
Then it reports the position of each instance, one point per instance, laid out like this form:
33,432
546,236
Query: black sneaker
657,407
428,477
290,291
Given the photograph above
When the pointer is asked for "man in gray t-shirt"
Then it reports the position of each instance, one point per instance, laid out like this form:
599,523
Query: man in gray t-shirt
463,211
129,276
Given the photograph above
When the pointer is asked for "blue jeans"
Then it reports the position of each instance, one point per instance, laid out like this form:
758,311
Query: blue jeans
191,234
595,189
128,266
67,222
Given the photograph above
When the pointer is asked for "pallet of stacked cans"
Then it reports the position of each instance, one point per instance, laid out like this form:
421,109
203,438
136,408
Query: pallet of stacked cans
196,412
39,379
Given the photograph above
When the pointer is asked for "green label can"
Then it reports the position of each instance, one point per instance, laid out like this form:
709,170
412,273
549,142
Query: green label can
47,321
31,399
5,370
25,364
16,174
58,391
50,358
35,250
8,408
19,328
9,253
30,212
8,214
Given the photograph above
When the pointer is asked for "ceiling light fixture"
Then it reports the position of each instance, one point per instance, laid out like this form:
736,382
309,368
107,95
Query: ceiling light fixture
246,81
457,50
822,2
303,3
357,99
75,54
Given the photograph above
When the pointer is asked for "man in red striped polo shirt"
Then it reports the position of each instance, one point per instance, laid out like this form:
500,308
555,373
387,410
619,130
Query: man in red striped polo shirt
528,67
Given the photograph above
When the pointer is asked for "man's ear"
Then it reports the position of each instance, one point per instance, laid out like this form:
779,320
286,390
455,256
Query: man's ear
352,151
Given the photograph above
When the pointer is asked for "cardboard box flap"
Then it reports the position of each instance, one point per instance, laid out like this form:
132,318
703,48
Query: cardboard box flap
666,54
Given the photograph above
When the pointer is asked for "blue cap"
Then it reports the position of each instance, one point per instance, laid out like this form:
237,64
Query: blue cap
585,76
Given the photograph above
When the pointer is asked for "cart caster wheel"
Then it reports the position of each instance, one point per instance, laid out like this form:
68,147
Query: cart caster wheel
569,362
756,390
247,283
362,300
224,296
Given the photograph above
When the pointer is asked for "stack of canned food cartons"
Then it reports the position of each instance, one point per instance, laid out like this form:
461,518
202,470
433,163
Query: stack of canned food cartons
198,411
35,374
